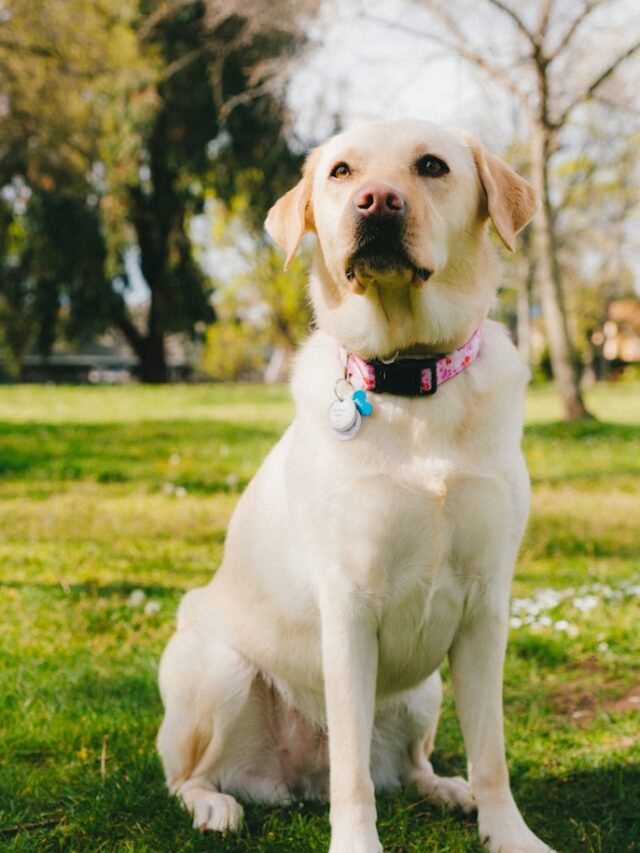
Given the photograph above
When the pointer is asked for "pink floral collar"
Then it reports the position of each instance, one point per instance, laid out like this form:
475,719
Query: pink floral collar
410,377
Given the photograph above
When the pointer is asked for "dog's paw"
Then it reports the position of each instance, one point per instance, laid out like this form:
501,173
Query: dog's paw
454,792
509,834
212,811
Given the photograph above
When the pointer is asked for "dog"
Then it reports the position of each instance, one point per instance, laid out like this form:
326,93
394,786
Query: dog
379,535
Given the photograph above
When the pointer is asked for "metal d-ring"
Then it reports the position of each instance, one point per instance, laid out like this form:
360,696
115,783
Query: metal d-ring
337,384
392,359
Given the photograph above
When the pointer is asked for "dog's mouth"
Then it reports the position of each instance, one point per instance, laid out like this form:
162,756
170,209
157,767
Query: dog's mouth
363,269
380,256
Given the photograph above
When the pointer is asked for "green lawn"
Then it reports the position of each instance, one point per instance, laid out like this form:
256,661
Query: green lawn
109,491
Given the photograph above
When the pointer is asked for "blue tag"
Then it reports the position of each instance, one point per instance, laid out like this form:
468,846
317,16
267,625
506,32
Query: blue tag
362,404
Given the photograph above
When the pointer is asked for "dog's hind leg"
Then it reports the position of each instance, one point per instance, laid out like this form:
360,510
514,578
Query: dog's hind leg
213,734
423,706
204,687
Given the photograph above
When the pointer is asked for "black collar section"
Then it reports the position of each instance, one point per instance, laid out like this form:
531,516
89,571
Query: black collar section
404,377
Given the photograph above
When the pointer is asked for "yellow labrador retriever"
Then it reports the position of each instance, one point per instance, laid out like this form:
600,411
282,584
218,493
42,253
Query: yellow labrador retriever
380,534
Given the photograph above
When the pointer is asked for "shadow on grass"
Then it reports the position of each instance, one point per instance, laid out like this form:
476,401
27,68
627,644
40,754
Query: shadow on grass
112,453
595,811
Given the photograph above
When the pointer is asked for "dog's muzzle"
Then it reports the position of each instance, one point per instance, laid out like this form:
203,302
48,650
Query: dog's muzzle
380,214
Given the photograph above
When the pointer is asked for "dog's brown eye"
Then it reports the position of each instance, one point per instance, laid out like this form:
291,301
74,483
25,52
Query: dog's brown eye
431,167
340,170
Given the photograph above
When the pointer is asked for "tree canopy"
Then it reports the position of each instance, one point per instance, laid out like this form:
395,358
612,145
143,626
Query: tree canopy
118,119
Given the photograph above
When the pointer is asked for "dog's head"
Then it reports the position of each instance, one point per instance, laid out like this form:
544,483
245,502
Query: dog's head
399,209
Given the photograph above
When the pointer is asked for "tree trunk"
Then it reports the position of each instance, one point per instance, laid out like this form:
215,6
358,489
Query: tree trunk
153,362
523,330
526,279
563,360
149,348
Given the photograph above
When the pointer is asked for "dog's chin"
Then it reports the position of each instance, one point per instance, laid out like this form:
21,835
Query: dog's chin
385,269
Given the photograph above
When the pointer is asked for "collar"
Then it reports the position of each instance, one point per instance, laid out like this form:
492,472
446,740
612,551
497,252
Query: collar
410,377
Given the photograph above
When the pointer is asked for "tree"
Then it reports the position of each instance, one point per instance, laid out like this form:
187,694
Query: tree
206,98
132,111
65,68
552,59
263,312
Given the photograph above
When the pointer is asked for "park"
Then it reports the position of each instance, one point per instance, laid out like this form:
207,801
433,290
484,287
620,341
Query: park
147,333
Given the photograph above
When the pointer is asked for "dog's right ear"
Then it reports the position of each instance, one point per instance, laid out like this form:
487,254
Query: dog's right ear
292,214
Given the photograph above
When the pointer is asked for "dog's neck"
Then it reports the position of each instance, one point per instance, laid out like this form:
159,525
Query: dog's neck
438,317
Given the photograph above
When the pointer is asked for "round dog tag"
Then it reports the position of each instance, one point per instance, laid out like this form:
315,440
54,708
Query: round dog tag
343,414
354,429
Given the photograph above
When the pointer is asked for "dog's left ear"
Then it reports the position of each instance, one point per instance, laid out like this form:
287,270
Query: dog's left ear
511,201
292,215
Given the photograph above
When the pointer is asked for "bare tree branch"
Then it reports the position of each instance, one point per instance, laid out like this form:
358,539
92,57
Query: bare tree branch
588,7
180,64
520,24
243,98
592,88
543,21
164,11
461,47
617,105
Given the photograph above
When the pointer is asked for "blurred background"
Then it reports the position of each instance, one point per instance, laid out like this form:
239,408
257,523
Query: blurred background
142,142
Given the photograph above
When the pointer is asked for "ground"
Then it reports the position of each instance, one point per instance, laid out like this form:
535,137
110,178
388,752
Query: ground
116,500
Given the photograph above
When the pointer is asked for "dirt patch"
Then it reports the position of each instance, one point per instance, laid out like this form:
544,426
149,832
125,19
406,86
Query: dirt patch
629,702
588,695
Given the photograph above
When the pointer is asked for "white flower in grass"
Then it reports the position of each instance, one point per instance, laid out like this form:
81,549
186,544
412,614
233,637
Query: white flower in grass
136,598
515,622
566,628
152,607
175,459
180,492
603,647
232,480
586,603
547,599
168,488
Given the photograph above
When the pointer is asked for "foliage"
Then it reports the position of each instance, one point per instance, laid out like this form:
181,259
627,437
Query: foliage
150,477
263,311
66,68
121,116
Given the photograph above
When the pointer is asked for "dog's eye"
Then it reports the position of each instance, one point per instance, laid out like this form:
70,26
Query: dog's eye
340,171
431,167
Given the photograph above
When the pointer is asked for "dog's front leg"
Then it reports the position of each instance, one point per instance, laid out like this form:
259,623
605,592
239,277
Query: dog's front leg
350,663
477,660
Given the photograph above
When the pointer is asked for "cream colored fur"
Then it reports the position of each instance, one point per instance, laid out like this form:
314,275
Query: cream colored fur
352,569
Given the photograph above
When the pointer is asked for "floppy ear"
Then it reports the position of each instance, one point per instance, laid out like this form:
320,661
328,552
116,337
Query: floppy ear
511,201
291,215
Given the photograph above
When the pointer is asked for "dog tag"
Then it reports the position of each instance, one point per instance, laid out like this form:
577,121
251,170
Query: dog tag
344,418
342,414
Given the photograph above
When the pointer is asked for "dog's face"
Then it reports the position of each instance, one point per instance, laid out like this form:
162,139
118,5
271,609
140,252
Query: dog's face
385,205
400,206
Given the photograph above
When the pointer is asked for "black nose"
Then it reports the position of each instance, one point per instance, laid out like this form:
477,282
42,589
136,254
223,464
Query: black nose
378,200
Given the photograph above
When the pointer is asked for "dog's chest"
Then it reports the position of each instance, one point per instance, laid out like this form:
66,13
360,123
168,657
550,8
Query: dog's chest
430,546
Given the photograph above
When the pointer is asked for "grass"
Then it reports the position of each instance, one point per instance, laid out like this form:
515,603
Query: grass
109,491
